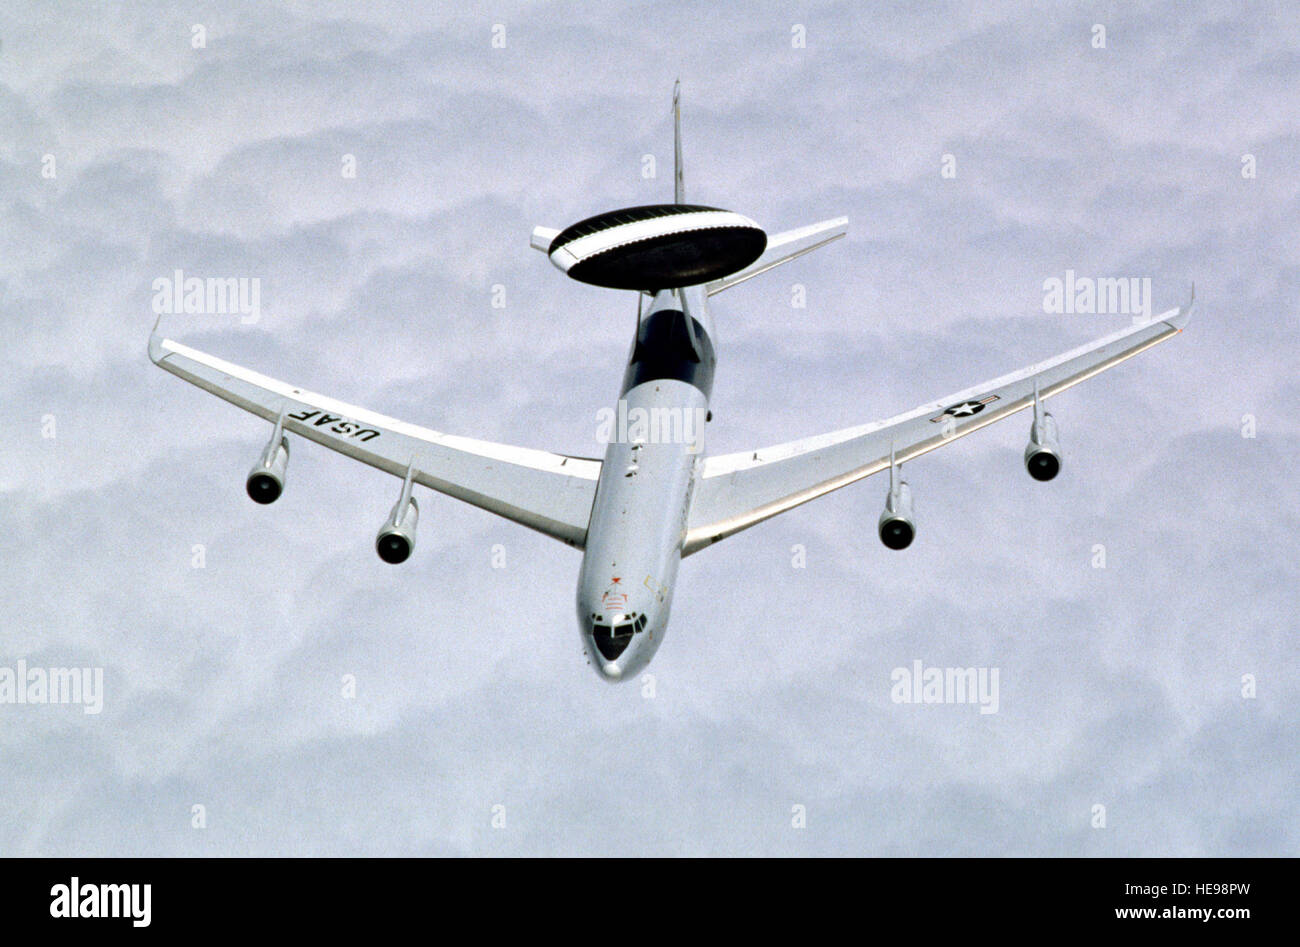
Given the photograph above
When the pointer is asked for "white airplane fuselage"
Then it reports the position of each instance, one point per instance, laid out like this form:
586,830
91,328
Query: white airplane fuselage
639,515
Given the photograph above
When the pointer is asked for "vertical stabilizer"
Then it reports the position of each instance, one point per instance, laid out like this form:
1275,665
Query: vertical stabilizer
679,183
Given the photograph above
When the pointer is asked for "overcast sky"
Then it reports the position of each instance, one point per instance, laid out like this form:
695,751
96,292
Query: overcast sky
226,630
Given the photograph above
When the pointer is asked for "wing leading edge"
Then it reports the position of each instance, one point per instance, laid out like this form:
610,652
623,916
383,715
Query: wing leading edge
739,490
551,493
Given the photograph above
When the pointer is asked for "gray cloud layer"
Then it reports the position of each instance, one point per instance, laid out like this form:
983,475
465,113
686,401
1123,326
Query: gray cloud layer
1120,686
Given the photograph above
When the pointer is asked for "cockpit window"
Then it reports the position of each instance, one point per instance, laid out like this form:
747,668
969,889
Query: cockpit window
611,641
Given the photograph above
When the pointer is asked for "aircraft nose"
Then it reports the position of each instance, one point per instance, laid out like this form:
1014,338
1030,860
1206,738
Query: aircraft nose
613,642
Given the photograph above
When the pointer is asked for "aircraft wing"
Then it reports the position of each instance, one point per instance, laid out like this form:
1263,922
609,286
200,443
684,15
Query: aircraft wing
736,491
551,493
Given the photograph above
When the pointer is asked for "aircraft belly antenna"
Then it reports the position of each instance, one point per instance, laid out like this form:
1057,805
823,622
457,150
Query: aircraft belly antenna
679,183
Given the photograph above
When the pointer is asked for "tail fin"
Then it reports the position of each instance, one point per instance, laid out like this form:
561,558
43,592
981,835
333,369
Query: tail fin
679,183
784,247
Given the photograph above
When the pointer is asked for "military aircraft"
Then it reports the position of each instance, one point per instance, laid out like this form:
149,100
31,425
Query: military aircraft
656,496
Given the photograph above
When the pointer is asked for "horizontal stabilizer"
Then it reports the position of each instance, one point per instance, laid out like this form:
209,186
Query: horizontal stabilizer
542,237
784,247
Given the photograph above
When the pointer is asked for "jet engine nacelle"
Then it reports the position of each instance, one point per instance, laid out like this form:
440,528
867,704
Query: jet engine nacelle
1043,452
266,479
897,526
396,538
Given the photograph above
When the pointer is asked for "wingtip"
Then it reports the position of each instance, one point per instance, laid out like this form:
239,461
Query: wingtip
1184,311
155,342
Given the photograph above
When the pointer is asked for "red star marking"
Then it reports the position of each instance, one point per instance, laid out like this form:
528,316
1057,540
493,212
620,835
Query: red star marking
616,580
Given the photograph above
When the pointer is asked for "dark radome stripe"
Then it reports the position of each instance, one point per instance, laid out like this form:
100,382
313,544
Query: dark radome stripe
672,260
664,351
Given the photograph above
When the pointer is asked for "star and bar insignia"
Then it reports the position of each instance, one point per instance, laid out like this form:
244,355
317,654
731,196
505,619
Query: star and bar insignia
964,409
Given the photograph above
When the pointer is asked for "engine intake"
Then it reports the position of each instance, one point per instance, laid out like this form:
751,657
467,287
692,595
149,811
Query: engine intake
396,539
1043,452
897,525
266,479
